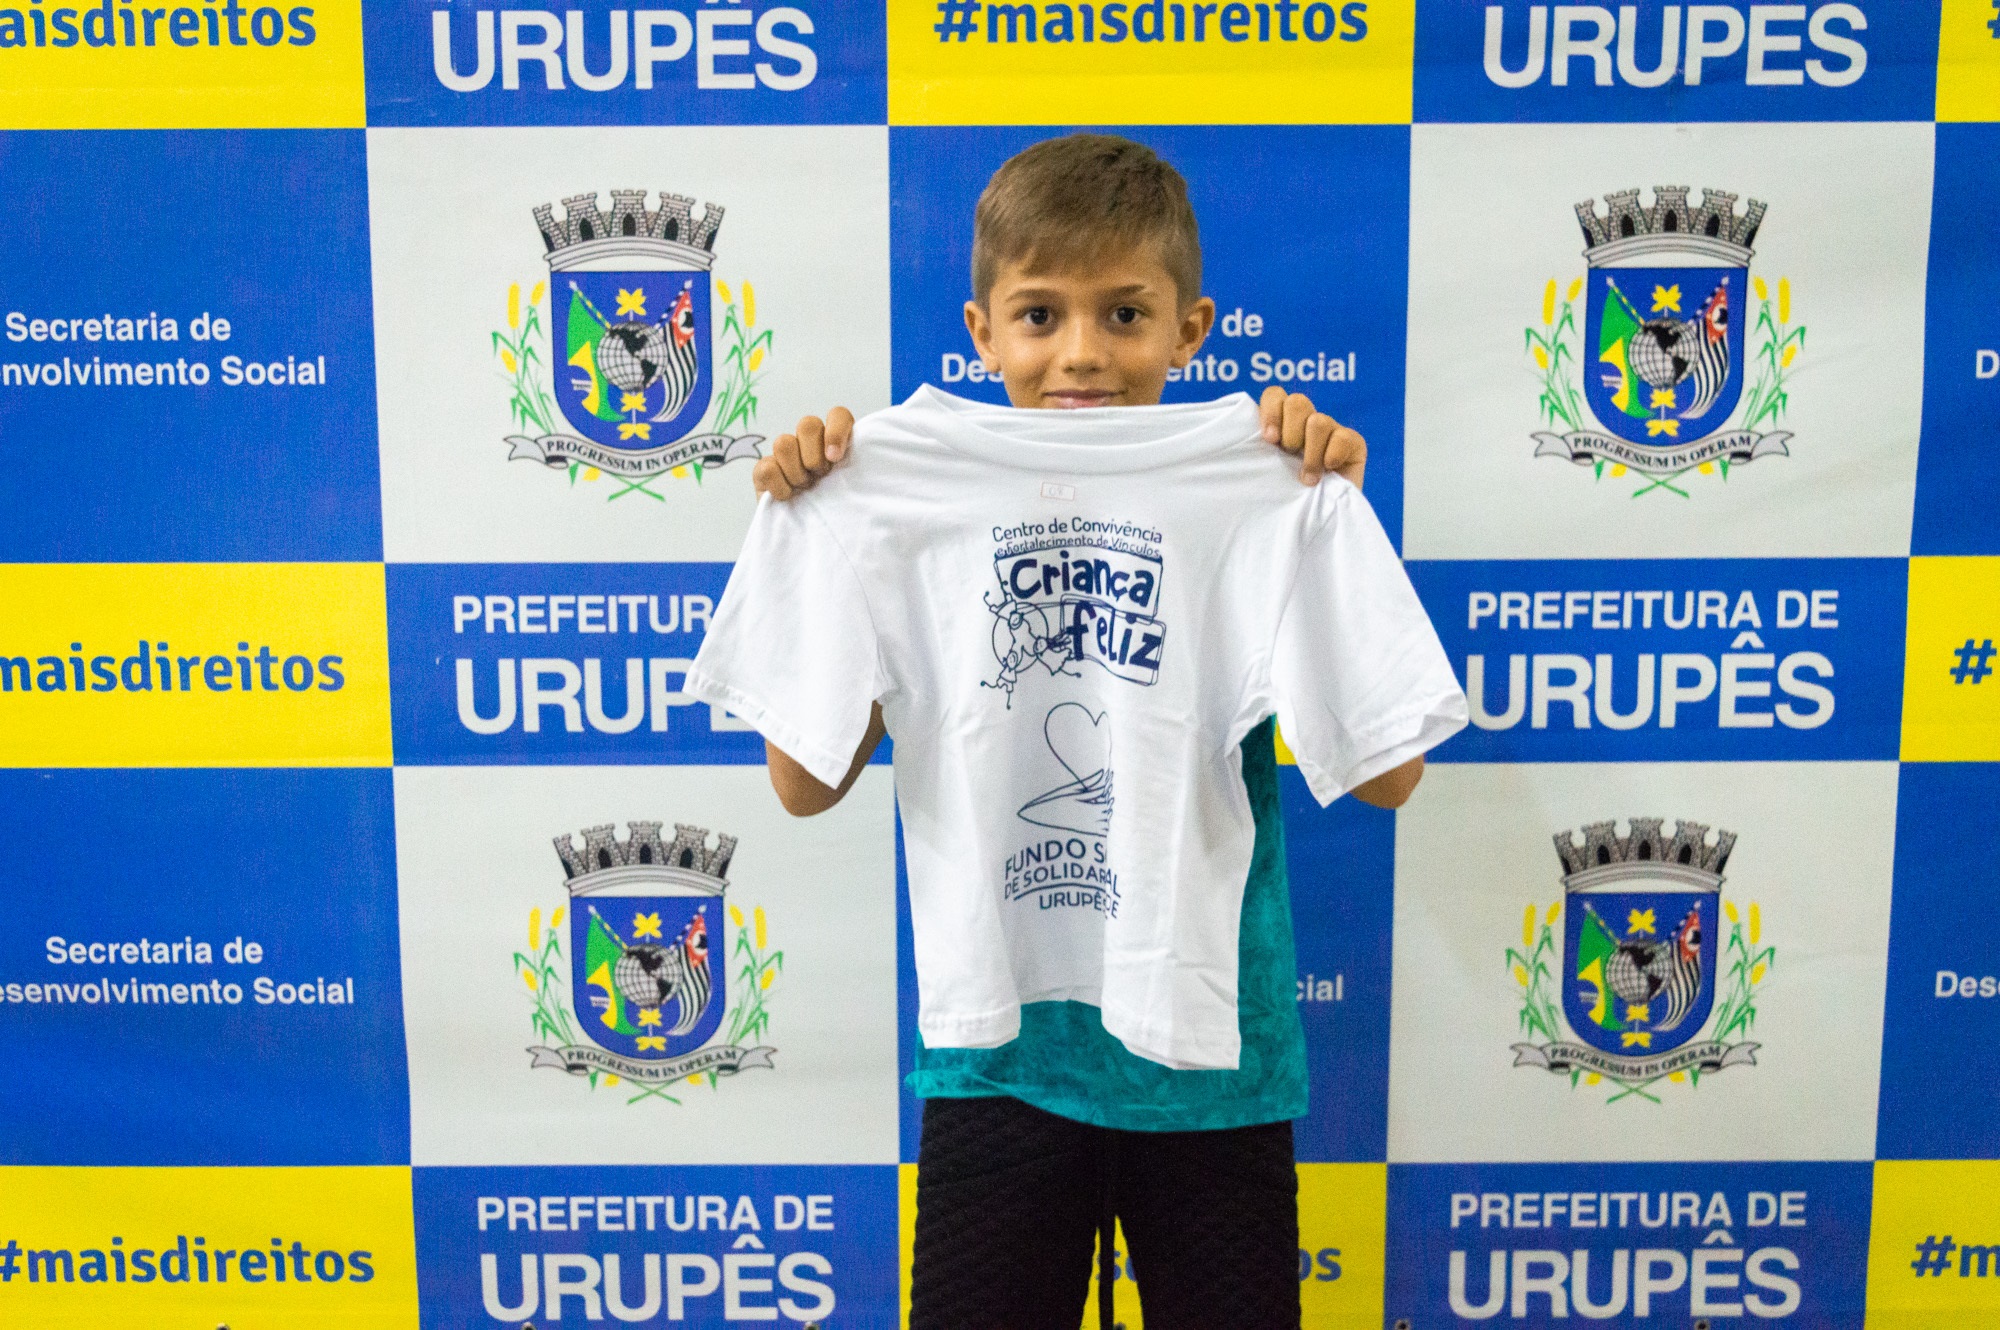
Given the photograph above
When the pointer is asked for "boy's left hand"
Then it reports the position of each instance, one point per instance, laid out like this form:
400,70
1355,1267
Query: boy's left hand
1322,443
798,460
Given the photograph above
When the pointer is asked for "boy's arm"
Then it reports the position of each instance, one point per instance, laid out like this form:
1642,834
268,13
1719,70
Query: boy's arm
1391,789
804,794
1323,445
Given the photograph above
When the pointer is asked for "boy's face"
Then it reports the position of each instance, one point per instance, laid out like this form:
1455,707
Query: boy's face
1102,336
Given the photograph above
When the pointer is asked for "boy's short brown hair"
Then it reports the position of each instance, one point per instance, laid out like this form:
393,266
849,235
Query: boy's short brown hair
1078,199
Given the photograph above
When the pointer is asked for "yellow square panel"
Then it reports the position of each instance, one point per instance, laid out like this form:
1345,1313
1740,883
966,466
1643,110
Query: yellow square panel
1153,62
223,64
1969,61
1934,1245
193,665
1343,1217
1951,663
114,1248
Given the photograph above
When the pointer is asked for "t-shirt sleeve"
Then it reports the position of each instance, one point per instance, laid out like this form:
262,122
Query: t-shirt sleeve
792,649
1362,683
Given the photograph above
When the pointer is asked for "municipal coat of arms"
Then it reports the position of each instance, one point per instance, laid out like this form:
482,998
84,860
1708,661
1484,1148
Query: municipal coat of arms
631,370
649,957
1662,353
1644,953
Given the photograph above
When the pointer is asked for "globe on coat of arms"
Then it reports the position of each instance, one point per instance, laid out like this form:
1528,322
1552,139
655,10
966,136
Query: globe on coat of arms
1633,983
646,958
1661,376
1639,935
646,997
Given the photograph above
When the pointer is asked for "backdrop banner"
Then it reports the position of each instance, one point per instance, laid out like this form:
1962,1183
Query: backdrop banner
395,942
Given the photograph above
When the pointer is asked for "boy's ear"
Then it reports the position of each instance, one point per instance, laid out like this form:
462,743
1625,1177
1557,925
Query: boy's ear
1196,320
981,329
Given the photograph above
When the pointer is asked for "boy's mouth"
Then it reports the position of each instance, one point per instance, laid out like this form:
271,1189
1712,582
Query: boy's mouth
1072,398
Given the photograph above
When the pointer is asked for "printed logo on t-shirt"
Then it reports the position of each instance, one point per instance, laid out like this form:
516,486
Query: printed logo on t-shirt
1075,590
1072,869
1081,743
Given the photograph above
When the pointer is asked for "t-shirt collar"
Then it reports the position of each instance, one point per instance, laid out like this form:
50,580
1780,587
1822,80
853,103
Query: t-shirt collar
1092,440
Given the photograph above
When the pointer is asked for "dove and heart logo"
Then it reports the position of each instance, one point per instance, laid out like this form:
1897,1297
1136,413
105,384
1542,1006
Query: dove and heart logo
1081,744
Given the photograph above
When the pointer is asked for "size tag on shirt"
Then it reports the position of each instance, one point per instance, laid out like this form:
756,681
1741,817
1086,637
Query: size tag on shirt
1053,489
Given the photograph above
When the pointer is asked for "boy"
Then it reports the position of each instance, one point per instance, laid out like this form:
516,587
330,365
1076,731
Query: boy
1107,1026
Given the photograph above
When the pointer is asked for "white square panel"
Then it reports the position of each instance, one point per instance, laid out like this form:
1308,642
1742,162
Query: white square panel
1840,254
1471,1076
804,228
480,885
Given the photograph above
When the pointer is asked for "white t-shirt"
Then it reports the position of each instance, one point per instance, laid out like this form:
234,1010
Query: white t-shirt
1071,619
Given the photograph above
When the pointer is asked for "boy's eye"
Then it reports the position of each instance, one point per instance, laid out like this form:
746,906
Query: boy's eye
1125,314
1038,316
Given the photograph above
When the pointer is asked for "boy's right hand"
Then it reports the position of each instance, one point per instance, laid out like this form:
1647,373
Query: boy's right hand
798,460
1323,445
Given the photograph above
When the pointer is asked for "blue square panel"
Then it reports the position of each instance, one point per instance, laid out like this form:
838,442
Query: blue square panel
704,1245
1675,62
1958,463
1628,1244
462,62
201,968
1639,660
1941,1019
555,663
1342,864
188,366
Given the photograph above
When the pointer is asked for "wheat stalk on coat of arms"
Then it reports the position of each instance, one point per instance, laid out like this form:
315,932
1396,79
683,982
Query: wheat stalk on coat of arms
529,402
1781,345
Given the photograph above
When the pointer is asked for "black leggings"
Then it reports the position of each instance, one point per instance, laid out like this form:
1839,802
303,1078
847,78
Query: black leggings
1010,1198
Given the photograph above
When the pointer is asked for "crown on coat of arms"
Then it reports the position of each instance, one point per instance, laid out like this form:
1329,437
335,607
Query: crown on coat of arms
1604,856
668,235
1627,231
607,862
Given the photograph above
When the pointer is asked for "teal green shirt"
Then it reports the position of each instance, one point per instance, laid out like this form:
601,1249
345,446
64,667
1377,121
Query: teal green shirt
1064,1063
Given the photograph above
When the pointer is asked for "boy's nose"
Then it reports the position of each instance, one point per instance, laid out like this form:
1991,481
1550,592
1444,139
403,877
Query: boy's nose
1082,349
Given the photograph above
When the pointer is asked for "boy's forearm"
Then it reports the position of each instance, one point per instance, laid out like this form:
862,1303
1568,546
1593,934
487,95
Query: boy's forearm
804,794
1391,789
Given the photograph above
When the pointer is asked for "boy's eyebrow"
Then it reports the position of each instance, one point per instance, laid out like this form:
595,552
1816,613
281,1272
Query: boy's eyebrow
1048,292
